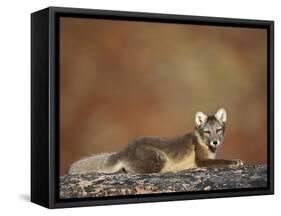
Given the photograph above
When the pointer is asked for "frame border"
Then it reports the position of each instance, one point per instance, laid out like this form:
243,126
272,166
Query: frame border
49,176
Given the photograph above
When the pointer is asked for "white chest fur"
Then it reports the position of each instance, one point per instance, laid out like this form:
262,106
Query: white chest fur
211,155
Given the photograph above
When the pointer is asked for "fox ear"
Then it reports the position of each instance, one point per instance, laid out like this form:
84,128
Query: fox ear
200,118
221,115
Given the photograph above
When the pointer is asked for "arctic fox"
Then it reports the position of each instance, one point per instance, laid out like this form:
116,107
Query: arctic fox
152,154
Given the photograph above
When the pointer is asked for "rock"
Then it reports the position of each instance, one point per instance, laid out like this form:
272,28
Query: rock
100,184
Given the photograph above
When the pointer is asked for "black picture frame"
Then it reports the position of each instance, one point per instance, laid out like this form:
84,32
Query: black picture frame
45,105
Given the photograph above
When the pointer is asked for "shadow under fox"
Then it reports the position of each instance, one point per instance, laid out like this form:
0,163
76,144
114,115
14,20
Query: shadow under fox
152,154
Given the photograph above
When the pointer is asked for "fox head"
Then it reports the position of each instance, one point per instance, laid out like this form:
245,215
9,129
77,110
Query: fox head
211,128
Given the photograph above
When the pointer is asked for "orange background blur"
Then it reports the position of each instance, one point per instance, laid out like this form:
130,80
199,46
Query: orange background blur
122,79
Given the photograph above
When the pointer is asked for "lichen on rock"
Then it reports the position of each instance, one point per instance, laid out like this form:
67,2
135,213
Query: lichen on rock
198,179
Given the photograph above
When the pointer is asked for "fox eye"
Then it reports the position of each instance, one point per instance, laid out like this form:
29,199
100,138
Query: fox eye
219,130
207,132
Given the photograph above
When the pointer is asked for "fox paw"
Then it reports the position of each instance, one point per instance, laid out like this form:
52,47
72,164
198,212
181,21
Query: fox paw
237,163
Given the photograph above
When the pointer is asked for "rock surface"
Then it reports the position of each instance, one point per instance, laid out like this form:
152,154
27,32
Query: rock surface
100,184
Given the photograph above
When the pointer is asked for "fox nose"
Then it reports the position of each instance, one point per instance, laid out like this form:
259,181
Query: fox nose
215,142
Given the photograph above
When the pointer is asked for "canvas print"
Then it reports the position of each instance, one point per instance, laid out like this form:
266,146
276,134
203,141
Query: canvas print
157,108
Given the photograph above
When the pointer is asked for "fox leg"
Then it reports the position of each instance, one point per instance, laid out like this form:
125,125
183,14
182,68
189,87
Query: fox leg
144,160
220,163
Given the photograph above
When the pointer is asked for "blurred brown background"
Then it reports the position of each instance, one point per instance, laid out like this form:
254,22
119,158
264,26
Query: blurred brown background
121,79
